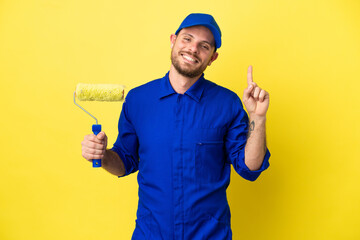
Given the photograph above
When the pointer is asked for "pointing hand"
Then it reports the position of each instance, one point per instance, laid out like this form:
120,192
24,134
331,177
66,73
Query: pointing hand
255,99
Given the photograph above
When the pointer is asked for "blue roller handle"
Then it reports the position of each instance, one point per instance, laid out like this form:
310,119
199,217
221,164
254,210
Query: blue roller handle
96,128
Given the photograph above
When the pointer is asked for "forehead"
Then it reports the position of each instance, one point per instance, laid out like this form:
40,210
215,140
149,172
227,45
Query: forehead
201,33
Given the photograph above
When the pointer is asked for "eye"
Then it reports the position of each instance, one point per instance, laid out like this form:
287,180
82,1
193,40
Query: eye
186,39
206,47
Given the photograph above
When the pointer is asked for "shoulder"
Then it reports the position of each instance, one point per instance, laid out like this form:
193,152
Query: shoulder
221,93
145,90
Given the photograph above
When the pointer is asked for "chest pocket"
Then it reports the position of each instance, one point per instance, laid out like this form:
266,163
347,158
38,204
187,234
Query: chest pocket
209,156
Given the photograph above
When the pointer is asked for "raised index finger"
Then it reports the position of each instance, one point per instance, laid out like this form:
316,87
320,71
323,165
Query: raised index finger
249,75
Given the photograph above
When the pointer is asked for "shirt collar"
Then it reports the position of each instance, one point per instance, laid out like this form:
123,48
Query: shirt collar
195,91
166,88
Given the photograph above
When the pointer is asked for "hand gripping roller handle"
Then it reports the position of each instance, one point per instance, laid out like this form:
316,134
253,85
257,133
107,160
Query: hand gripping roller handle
98,92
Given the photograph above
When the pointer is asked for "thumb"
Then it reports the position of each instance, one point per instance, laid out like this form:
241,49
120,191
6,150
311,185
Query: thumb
101,136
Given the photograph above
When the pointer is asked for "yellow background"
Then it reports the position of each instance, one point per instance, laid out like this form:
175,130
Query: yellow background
305,53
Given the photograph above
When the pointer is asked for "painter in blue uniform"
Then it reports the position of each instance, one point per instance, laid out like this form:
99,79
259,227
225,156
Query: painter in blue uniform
181,133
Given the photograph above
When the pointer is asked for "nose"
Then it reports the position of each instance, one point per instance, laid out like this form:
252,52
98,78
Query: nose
193,47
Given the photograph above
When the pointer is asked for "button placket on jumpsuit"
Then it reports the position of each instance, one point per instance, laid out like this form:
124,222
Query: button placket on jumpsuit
178,169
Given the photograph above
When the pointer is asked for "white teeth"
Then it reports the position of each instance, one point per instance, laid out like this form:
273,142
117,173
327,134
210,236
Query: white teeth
189,58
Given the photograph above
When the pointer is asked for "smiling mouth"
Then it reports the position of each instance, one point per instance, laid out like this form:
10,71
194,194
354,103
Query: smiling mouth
189,59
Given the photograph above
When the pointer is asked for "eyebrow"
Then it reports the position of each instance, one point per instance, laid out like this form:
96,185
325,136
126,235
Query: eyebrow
201,41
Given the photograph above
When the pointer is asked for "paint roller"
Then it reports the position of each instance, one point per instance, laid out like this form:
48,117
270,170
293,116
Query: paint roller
98,92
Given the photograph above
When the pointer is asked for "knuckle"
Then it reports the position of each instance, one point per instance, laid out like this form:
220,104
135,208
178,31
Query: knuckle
90,137
86,156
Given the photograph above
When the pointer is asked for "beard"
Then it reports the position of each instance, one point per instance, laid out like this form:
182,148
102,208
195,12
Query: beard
190,72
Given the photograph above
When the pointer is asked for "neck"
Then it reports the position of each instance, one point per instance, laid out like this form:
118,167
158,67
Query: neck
179,82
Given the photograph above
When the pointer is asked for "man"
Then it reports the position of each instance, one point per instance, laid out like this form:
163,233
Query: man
182,132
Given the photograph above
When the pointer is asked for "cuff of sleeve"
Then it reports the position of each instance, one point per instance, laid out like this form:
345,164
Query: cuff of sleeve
253,175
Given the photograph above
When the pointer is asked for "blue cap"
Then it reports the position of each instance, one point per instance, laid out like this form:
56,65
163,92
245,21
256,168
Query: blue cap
206,20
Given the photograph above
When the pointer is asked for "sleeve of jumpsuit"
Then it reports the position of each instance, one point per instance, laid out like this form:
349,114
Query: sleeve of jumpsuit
235,142
127,144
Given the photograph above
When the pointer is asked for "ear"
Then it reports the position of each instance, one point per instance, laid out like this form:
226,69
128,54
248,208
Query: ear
213,57
172,39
